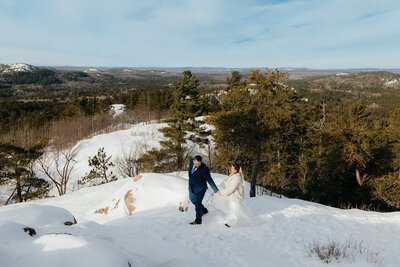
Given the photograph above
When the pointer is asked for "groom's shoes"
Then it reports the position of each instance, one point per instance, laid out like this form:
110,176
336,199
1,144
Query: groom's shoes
194,223
204,214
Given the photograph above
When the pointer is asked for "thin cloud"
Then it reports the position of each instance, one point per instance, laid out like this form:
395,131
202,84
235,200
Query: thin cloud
374,14
200,32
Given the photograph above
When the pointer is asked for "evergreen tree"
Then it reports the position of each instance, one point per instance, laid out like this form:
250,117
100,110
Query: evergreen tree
182,125
393,130
235,80
357,146
253,113
100,164
16,170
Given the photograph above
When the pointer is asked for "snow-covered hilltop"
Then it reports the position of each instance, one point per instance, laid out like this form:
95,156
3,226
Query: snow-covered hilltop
17,67
144,221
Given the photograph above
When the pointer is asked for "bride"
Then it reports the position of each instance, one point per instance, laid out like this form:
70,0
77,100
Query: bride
232,195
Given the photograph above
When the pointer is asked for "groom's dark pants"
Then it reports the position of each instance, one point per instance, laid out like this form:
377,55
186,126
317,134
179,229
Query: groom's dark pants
196,197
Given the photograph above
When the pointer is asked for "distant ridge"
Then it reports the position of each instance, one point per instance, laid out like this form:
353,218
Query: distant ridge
28,67
200,69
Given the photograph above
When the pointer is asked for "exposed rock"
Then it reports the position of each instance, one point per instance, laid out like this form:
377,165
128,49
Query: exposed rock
69,223
30,231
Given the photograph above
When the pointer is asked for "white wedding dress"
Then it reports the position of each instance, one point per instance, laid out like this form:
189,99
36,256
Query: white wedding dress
234,212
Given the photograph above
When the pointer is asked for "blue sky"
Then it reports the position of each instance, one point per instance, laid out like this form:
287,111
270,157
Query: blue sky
214,33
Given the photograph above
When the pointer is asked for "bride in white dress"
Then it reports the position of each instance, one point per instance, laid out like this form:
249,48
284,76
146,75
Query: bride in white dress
232,195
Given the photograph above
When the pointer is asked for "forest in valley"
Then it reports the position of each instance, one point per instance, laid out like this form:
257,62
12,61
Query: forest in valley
332,139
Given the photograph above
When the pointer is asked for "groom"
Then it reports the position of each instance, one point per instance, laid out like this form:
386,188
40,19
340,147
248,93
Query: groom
199,174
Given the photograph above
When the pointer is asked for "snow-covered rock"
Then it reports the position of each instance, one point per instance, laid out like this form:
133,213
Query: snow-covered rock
35,215
35,235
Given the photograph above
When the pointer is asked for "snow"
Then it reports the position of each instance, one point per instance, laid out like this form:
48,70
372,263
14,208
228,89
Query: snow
21,67
158,234
36,215
17,67
118,109
141,137
144,221
342,74
91,70
391,82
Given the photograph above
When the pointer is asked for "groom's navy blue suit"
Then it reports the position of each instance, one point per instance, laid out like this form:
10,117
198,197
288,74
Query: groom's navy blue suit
198,186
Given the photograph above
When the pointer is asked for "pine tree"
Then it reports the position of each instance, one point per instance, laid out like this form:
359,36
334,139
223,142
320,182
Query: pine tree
182,125
17,170
393,130
235,80
100,164
253,113
357,146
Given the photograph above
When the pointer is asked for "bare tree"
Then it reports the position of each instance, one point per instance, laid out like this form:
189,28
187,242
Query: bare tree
57,164
130,163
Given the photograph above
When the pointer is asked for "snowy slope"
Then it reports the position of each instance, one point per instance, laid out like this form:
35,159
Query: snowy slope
143,221
17,67
142,136
158,234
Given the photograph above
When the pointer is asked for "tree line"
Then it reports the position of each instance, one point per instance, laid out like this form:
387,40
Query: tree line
339,155
345,155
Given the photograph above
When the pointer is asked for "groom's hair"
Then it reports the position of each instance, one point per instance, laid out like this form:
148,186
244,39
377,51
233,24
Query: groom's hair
198,158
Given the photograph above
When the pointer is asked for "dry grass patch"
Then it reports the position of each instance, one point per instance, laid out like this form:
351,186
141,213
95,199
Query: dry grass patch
129,200
350,250
102,210
137,177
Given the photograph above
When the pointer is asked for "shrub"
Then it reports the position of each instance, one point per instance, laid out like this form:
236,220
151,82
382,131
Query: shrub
349,250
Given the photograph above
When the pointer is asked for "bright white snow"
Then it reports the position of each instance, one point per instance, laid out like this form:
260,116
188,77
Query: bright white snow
144,221
158,234
391,82
17,67
117,109
91,70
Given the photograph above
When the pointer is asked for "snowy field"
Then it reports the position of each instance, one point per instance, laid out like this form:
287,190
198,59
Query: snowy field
144,221
157,233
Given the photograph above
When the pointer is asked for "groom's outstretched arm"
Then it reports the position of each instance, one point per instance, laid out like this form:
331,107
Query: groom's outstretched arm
210,181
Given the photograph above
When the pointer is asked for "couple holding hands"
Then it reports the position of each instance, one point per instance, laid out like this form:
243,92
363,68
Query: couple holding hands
229,197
